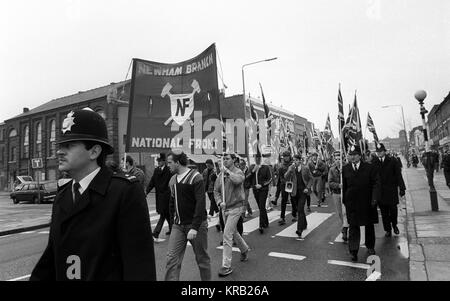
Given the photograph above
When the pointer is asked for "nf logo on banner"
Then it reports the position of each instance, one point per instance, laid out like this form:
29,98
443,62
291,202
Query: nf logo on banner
175,106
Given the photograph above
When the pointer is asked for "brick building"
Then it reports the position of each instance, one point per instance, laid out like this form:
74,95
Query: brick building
33,133
439,123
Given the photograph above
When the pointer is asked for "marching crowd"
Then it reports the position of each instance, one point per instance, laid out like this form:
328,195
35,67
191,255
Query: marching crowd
101,216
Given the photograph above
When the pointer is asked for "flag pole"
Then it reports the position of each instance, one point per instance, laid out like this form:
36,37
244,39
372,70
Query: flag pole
341,147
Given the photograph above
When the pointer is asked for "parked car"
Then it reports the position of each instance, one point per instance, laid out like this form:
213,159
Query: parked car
29,192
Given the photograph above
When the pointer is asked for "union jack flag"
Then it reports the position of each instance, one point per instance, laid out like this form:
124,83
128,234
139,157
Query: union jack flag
371,127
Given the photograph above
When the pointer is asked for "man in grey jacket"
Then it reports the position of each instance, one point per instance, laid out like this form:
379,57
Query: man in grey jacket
231,201
334,180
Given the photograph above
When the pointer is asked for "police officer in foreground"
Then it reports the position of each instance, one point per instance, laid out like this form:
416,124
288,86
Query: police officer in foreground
361,188
100,225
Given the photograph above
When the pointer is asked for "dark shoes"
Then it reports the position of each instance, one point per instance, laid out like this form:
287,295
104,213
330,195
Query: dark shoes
299,233
273,203
155,235
244,256
168,233
281,222
261,230
370,252
218,228
223,271
294,219
388,234
354,256
309,209
396,231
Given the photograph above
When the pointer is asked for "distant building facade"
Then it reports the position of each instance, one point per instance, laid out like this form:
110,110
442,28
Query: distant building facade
33,133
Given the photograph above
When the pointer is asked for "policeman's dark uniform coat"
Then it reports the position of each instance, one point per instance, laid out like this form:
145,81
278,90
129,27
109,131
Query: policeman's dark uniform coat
359,189
107,228
391,181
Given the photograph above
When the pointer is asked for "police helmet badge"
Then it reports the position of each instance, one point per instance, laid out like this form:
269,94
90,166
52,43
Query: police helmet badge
68,122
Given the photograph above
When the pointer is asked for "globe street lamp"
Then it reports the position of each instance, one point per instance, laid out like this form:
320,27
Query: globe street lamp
429,159
243,90
404,127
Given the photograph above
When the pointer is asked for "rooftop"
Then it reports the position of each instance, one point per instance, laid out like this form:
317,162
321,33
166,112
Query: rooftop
74,98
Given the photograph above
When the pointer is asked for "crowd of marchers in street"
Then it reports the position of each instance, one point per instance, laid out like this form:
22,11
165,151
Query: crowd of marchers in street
100,227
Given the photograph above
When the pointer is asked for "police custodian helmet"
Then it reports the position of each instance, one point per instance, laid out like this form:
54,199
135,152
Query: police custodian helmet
85,125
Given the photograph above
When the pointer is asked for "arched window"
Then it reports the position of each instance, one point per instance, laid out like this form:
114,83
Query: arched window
26,142
38,149
12,133
52,145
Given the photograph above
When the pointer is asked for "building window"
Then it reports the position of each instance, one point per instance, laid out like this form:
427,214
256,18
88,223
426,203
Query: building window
26,142
12,133
52,144
2,135
12,154
38,150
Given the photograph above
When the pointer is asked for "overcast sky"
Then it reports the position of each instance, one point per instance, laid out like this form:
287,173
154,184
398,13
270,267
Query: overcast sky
386,49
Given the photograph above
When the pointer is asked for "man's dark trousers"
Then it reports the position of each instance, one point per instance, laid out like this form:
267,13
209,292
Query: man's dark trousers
284,199
389,216
261,197
354,237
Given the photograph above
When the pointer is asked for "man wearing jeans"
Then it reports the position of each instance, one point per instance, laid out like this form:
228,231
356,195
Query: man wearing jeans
188,208
231,201
334,179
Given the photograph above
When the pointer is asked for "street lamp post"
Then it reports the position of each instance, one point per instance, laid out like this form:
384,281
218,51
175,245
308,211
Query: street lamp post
243,95
429,159
404,128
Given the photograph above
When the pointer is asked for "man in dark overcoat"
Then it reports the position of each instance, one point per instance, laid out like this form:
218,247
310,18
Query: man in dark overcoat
160,181
361,190
391,182
100,225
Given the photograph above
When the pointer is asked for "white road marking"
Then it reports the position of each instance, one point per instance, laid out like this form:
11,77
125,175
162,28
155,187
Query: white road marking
233,248
158,239
374,276
44,232
253,224
152,212
27,232
287,256
164,225
350,264
314,220
321,206
19,278
362,237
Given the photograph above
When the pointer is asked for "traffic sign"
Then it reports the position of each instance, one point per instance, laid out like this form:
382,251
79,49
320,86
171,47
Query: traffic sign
36,163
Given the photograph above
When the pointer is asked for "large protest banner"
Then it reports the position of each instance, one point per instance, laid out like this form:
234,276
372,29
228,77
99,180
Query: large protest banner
175,106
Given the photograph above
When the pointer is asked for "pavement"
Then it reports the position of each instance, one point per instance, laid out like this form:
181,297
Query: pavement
428,232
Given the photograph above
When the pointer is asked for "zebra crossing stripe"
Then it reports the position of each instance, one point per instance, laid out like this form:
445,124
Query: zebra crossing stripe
287,256
314,220
234,249
362,237
253,224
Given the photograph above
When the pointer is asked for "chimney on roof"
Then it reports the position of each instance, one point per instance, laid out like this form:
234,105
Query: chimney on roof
25,110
